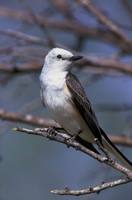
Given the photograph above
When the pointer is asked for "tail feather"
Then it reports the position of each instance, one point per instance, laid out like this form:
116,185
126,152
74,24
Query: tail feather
86,144
115,151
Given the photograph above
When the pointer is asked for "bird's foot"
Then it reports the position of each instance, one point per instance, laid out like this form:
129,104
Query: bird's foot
72,138
52,131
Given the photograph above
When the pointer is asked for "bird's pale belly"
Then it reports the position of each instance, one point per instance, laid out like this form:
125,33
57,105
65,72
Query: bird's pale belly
65,113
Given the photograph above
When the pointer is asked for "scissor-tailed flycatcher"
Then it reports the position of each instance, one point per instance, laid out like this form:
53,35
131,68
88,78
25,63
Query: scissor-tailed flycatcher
65,98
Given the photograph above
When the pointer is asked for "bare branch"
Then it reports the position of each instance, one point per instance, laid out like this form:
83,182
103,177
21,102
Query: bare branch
106,64
65,139
90,190
91,7
65,25
42,26
121,140
28,119
89,61
62,138
24,36
44,122
63,7
128,6
27,67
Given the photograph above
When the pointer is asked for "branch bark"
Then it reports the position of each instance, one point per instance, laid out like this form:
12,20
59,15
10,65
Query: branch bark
94,189
65,139
28,119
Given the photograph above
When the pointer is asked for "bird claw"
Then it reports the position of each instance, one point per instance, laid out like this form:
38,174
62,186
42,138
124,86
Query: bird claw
51,131
69,140
73,137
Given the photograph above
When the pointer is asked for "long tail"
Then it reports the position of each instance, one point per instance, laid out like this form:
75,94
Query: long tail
115,151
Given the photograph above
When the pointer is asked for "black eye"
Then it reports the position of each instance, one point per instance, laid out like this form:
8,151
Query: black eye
59,56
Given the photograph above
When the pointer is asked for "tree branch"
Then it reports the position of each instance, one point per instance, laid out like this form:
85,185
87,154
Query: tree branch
89,61
28,119
44,122
121,140
91,7
42,26
65,25
106,64
95,189
23,36
65,139
27,67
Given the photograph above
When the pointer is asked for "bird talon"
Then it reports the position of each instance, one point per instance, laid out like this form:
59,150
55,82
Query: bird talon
51,131
72,138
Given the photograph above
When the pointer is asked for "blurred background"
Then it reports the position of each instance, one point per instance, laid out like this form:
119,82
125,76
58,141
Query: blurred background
30,166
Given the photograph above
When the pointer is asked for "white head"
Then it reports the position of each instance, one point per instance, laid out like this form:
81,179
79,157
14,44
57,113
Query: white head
59,59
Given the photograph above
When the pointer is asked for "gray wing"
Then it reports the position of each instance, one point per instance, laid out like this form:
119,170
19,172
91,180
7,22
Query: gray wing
83,105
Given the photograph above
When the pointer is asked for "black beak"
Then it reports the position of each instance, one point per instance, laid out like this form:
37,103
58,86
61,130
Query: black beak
74,58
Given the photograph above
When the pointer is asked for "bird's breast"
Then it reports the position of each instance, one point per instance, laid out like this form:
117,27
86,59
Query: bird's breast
56,98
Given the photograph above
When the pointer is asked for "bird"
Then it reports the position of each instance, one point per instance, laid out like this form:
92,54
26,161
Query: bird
65,98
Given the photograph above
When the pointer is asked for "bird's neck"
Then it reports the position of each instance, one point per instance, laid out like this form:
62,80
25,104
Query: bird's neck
53,77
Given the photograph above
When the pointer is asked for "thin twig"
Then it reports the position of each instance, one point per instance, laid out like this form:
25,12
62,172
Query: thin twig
91,7
128,6
64,7
106,64
42,26
23,36
93,189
